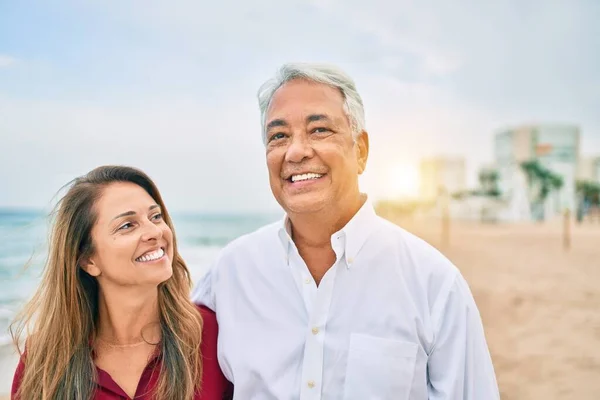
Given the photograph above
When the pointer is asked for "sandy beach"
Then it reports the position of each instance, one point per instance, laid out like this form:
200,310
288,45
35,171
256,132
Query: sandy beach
540,304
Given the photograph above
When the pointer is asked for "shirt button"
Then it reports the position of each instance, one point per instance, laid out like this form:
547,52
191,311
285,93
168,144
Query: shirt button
350,260
311,384
307,281
315,330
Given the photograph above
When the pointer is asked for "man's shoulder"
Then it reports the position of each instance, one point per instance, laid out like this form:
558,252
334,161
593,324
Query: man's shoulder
415,252
261,235
429,274
250,242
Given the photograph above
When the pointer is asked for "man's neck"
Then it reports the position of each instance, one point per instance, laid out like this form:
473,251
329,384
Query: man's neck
315,229
128,316
312,235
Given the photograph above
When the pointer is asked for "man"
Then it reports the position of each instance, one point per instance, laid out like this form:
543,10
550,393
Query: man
334,302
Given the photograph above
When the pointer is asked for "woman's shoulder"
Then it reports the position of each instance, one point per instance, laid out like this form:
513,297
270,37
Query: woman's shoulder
210,330
215,385
206,312
18,376
209,318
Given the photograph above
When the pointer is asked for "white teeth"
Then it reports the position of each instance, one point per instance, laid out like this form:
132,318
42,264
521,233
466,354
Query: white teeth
155,255
304,177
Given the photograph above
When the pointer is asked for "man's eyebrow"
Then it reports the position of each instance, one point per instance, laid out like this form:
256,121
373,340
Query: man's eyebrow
276,122
311,118
317,117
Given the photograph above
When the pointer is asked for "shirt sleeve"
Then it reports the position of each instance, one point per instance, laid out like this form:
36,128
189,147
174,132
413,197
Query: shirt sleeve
203,291
459,364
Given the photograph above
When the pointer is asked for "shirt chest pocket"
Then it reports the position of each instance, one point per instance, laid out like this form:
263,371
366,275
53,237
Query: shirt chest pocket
379,369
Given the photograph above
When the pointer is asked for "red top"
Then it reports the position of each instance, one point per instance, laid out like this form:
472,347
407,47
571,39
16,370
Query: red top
214,384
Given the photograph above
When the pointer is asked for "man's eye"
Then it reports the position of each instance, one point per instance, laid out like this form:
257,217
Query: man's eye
320,130
277,136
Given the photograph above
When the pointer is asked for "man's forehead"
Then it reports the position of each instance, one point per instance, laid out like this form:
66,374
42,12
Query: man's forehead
305,104
284,119
301,100
304,117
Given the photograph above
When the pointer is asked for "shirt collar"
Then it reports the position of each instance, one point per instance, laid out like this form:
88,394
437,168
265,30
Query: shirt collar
105,381
352,236
284,233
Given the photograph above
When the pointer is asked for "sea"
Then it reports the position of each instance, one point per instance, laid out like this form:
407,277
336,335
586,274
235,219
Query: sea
24,239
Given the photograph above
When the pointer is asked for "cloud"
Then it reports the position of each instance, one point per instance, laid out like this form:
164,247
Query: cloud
486,52
6,61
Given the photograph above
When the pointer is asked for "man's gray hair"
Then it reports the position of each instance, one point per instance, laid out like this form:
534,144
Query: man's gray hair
318,73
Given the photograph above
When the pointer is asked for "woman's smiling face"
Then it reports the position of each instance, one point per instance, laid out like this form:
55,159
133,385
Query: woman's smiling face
132,244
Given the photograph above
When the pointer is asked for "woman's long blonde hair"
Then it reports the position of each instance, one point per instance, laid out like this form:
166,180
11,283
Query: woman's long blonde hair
61,319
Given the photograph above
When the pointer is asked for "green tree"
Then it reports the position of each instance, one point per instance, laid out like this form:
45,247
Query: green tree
589,192
488,181
543,182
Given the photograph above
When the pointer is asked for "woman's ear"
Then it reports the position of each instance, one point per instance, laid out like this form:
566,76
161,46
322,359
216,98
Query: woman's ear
88,265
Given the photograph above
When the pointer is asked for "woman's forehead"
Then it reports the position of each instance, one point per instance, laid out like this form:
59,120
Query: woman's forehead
121,197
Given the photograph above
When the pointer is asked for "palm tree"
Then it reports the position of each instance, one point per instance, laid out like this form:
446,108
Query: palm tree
589,190
589,197
488,181
543,181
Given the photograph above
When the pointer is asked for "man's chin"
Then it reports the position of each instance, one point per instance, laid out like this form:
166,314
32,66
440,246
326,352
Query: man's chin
305,205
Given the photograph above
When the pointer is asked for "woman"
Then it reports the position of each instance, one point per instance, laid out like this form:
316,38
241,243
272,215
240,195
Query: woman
112,317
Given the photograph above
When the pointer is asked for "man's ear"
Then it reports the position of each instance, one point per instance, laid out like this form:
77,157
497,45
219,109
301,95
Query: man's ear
362,151
88,265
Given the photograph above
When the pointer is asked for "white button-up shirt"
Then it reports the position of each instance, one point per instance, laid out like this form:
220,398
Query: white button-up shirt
391,319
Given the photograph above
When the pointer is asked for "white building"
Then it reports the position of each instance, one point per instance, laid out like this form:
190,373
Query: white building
589,169
442,173
555,146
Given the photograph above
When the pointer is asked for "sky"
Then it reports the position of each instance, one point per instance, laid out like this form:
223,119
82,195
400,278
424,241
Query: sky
170,87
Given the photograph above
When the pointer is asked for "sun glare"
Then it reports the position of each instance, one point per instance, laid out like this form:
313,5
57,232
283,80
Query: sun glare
403,181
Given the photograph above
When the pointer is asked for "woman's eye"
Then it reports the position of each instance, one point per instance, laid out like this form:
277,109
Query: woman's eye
320,130
125,226
157,217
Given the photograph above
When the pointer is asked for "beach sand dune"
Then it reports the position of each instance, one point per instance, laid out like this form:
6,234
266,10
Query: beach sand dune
539,303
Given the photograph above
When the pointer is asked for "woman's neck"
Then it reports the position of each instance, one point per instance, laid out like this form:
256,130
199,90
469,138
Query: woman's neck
127,317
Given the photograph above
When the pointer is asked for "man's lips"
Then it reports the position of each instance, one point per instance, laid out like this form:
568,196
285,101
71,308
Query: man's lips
304,176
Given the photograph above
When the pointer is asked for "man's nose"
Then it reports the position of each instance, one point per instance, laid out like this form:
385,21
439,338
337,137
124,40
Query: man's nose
299,149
